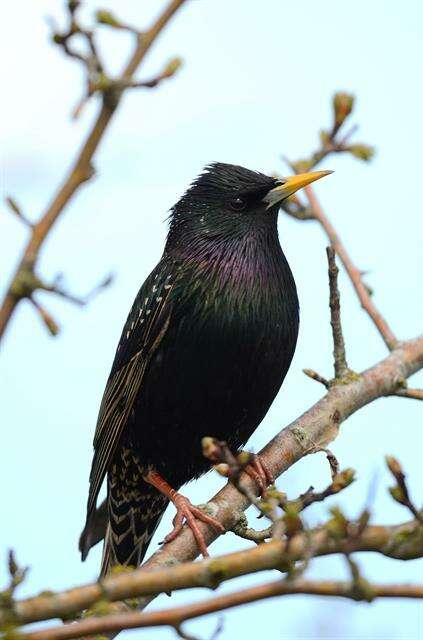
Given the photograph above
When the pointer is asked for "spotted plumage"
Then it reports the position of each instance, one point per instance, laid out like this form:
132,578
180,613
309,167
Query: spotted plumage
134,512
204,351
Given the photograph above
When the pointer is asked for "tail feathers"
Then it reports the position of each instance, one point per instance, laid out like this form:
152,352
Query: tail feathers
94,530
134,513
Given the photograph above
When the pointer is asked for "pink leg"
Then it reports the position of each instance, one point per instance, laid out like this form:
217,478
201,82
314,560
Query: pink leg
185,511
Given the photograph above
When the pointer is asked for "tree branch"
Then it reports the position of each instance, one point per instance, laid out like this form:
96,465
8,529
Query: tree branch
415,394
81,170
310,373
175,616
340,359
400,492
403,542
308,433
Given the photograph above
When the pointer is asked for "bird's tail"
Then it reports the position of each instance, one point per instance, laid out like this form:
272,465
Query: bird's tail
134,513
94,530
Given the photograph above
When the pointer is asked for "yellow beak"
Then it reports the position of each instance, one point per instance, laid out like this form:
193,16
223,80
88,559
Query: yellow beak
291,185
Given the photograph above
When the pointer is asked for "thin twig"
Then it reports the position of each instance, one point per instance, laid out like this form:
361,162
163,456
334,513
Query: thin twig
415,394
400,492
45,316
340,360
169,70
248,533
316,376
17,210
340,481
333,462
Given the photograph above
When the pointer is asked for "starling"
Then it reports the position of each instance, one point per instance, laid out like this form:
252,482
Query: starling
204,351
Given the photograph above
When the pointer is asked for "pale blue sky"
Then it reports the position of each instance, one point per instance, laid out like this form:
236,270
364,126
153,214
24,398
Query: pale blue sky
257,83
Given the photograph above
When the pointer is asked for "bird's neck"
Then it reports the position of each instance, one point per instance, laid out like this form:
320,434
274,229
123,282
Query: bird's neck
247,259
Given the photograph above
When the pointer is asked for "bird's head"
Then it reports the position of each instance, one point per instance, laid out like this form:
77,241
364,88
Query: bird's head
227,199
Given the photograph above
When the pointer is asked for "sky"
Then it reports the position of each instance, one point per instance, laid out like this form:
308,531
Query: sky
256,84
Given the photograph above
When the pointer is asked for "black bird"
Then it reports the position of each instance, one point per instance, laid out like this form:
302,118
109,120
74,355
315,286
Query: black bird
204,351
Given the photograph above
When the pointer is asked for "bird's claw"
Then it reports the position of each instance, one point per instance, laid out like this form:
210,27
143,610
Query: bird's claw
258,471
189,514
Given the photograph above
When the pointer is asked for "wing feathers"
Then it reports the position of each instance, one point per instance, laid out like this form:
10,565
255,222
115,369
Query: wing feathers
144,330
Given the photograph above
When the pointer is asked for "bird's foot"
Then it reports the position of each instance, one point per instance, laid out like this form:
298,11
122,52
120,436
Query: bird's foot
258,471
185,513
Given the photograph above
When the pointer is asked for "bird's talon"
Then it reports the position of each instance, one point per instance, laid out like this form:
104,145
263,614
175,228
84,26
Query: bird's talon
258,471
185,511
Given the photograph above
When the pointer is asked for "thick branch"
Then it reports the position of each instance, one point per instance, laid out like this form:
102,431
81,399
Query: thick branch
313,430
82,167
175,616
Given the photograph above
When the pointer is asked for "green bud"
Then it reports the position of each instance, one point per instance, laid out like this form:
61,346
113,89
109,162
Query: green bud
172,67
393,466
273,494
334,529
302,166
343,480
291,518
363,520
106,17
337,526
58,38
12,564
343,104
50,323
362,151
398,494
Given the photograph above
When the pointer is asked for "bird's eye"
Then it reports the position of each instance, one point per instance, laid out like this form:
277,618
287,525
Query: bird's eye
238,204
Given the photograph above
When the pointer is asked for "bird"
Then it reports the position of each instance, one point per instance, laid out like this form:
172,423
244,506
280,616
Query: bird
204,351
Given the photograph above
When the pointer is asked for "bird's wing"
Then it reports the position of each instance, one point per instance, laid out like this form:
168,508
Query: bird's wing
145,327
